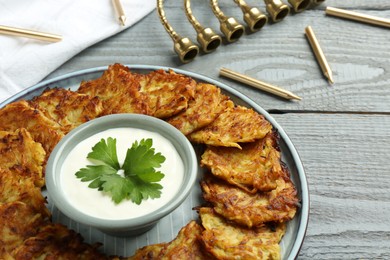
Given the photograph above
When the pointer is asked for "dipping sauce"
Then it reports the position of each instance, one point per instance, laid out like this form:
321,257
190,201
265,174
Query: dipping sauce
98,204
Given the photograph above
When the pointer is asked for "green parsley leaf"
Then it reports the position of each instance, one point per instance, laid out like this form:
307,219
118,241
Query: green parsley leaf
144,190
117,186
105,153
141,158
148,177
92,172
140,177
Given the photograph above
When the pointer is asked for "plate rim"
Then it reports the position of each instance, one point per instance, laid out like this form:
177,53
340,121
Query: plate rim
305,195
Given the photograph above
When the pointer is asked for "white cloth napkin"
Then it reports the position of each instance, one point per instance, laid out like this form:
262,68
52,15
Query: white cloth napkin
24,62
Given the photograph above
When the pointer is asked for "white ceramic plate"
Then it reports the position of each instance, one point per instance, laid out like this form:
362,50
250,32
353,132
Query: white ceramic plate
167,228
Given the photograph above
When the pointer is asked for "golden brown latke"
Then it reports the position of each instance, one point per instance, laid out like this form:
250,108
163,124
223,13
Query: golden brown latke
255,167
149,252
119,90
168,92
22,155
68,108
161,94
19,187
249,209
18,221
233,126
229,241
55,241
202,110
43,130
187,245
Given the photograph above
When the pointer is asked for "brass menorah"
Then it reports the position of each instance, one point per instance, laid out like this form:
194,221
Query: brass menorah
230,27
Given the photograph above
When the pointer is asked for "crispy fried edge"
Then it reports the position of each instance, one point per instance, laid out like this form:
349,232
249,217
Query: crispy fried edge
219,160
22,139
214,244
232,124
282,203
208,103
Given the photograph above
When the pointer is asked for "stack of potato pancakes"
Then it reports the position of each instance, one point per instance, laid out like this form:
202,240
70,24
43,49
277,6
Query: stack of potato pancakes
247,191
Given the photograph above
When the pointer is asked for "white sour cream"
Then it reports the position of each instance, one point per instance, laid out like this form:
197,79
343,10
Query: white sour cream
96,203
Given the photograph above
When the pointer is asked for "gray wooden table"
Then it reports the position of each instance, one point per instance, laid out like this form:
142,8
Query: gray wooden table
341,132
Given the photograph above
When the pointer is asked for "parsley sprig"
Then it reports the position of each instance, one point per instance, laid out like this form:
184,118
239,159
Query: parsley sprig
139,180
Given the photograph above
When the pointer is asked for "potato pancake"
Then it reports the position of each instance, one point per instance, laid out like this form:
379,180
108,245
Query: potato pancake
250,209
202,110
168,92
55,241
22,155
255,167
149,252
43,130
233,126
68,108
187,245
119,90
18,221
15,187
229,241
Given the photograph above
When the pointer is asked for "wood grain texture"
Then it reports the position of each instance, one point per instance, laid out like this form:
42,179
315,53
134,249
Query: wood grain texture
346,158
341,132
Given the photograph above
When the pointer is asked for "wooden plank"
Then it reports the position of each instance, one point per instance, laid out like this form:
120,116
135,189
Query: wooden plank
346,158
279,54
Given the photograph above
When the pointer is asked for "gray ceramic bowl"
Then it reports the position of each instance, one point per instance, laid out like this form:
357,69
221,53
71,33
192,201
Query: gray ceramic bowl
122,227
